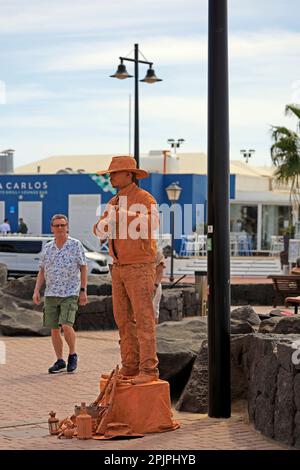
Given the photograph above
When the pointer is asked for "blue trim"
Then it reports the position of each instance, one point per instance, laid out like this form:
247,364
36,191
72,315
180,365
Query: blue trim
54,190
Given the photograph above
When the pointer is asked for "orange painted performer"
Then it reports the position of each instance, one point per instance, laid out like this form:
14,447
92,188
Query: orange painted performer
129,221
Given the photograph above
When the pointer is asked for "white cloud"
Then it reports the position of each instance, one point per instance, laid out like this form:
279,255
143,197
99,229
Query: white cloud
2,92
29,93
64,49
68,16
262,48
97,55
103,124
92,15
264,45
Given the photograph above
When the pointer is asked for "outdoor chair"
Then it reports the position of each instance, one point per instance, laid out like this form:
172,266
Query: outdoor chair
233,244
187,245
277,245
244,244
285,285
294,301
200,245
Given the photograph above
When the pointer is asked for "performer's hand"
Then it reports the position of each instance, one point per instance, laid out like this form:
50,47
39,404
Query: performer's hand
111,218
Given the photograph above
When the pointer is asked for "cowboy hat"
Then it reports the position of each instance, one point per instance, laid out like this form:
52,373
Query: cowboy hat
118,431
124,163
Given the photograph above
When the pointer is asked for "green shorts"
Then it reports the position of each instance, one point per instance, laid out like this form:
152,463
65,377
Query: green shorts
60,311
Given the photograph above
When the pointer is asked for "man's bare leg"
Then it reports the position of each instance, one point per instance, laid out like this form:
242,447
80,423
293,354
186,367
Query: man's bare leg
70,338
57,342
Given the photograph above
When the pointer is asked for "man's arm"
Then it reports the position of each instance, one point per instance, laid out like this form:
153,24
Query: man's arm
83,285
39,282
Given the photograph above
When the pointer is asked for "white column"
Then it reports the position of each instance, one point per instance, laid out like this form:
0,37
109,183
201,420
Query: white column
259,225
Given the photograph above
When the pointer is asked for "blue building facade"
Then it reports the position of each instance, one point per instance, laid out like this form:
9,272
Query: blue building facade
50,194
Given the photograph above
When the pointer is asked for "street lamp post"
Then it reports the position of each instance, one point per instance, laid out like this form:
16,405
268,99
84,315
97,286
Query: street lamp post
247,153
175,144
218,260
150,77
173,192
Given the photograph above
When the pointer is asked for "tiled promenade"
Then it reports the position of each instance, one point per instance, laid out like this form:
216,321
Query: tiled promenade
28,393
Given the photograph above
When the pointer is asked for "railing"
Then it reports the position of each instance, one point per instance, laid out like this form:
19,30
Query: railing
241,244
195,245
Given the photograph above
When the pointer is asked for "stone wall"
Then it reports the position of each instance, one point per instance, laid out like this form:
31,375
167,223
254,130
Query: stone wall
274,386
3,274
243,294
178,303
264,371
18,314
254,294
98,313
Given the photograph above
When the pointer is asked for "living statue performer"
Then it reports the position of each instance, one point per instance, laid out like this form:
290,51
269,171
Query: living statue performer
129,221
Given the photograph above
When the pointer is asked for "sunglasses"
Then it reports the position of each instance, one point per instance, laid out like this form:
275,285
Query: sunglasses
59,225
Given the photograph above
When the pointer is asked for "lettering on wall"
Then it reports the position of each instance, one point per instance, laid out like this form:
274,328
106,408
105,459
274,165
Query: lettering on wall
24,187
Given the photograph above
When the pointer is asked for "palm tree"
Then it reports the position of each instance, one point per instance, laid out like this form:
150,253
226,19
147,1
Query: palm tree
285,154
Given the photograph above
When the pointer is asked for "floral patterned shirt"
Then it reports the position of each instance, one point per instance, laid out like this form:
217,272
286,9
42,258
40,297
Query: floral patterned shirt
62,267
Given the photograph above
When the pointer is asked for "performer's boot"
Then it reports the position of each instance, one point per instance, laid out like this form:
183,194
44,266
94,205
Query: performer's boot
144,378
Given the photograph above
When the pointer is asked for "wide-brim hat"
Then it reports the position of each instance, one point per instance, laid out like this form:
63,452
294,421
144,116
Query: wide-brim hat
124,163
118,431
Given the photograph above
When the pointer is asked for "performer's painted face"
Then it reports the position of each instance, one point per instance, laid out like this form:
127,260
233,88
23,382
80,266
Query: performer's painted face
120,179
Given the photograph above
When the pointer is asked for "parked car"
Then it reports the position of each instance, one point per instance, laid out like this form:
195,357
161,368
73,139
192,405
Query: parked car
22,254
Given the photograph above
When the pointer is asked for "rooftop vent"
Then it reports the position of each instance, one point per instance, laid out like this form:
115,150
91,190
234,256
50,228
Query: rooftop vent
155,153
7,161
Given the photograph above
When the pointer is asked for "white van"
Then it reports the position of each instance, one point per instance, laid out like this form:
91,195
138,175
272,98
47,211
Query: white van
21,254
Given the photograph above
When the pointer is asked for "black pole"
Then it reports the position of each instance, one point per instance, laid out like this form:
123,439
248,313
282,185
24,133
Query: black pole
172,244
218,214
136,105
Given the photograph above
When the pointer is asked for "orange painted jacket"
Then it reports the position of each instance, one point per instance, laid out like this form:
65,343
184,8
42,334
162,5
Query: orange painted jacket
129,221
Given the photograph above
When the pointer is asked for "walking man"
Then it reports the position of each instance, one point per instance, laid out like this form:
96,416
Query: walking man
63,267
128,221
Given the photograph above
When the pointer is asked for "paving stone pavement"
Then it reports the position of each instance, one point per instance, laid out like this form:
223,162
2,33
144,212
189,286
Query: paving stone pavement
28,393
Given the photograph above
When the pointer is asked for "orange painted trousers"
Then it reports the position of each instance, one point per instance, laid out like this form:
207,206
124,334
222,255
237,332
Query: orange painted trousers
132,289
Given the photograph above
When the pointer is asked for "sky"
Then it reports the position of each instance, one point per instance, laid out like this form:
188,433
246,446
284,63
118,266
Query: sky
56,96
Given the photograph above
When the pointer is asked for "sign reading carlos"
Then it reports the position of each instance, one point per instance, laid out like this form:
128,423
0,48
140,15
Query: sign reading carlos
23,187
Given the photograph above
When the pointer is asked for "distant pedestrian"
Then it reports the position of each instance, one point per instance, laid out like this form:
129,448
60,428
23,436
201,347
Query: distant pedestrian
22,227
5,227
157,290
64,269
